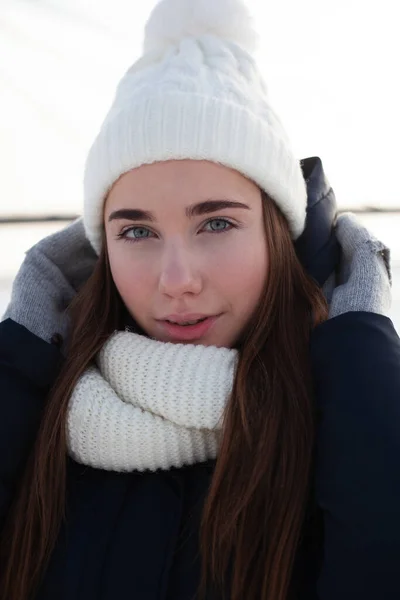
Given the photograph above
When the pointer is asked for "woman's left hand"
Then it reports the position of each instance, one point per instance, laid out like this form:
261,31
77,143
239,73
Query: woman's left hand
364,278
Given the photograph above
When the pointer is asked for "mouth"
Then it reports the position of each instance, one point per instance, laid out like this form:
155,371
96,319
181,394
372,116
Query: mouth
189,329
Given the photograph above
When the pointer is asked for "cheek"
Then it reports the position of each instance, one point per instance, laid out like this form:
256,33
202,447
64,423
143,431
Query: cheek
241,270
133,281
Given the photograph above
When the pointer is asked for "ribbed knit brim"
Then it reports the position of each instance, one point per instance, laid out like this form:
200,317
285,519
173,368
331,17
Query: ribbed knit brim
180,125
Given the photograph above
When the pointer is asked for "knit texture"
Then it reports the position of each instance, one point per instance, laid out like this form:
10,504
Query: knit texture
150,405
196,93
364,279
47,281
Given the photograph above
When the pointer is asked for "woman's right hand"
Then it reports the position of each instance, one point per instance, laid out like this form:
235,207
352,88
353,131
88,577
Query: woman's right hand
52,272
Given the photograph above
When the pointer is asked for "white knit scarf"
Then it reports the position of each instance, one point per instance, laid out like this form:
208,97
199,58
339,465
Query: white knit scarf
149,404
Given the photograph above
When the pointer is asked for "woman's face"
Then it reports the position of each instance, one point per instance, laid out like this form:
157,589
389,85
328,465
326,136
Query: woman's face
186,244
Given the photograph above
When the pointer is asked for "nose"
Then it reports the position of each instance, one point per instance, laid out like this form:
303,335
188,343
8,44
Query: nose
179,274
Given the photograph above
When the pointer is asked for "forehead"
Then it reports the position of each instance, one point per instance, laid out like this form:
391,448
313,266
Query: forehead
179,183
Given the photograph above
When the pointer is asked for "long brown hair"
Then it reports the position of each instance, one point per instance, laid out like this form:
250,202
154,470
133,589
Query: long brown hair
256,504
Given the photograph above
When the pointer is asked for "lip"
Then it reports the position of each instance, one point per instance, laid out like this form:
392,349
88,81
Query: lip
187,333
183,317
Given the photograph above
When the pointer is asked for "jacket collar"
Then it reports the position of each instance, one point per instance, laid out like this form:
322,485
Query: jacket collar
317,247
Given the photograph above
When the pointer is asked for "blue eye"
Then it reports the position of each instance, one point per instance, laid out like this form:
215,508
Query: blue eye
217,225
135,233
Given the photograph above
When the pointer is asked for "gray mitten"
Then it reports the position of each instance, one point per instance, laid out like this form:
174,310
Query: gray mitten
364,282
51,274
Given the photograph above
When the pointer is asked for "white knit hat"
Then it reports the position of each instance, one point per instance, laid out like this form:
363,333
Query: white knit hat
195,93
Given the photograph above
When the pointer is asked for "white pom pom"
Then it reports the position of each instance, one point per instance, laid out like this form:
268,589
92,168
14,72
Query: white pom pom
173,20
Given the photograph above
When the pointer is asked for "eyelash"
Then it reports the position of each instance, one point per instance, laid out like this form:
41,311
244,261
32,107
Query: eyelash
122,235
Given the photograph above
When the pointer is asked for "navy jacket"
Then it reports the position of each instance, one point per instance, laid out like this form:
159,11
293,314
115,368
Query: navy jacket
135,535
317,248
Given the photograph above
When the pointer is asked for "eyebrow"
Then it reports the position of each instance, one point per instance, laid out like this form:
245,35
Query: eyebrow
194,210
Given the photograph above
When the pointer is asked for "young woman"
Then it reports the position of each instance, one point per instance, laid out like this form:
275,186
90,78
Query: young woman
209,431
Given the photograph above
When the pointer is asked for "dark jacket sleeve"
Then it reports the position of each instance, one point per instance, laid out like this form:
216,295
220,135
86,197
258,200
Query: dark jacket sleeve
28,367
356,368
